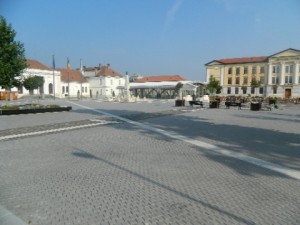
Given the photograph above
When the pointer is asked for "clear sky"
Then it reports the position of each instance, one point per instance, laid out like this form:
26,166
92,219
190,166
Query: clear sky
152,37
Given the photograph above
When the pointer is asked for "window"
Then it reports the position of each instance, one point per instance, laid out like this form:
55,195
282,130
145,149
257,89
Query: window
245,70
245,80
262,69
229,90
288,79
86,90
253,70
261,90
236,90
67,89
230,70
276,69
274,89
50,88
262,80
229,80
82,89
275,80
289,69
244,90
100,81
237,80
63,89
252,90
238,71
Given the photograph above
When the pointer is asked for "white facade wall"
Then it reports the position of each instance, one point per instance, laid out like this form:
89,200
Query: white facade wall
105,86
77,89
48,80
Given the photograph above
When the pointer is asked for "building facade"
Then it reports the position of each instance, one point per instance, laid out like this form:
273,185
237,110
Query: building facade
277,75
106,82
51,79
73,84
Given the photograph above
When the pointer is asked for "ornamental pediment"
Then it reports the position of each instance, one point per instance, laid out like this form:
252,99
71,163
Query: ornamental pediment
289,53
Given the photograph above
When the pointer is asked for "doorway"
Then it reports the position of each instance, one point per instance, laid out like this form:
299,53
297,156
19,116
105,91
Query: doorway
287,93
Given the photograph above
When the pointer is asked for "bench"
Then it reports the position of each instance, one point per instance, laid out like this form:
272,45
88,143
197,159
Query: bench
192,103
238,104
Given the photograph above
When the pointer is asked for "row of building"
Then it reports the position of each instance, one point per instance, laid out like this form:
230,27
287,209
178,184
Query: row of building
99,82
277,75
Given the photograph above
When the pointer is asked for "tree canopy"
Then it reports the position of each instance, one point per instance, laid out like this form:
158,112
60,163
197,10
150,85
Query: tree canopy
33,82
12,56
213,86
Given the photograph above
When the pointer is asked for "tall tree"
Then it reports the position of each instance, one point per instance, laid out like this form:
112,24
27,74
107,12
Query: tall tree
12,56
213,86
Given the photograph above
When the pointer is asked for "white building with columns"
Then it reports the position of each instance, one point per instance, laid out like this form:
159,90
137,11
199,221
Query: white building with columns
277,75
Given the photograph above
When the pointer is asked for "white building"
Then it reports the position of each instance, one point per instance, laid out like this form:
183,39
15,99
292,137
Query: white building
76,82
106,83
51,77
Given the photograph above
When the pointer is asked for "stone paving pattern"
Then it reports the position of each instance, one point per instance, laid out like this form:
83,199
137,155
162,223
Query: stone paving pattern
122,174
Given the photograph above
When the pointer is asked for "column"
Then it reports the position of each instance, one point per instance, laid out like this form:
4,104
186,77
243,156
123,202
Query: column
222,76
296,72
282,73
207,75
270,74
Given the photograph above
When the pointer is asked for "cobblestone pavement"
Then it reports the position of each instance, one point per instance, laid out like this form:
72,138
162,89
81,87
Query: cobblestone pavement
122,174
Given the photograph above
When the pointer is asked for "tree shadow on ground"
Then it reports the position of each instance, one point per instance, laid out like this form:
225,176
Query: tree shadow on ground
87,155
275,146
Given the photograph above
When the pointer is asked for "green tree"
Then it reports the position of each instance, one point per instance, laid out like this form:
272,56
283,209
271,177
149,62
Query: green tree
213,86
12,57
255,84
33,82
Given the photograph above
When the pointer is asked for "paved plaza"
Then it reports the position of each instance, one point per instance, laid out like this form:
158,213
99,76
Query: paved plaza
106,163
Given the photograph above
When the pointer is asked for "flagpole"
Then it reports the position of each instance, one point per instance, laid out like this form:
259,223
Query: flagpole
53,77
80,79
68,68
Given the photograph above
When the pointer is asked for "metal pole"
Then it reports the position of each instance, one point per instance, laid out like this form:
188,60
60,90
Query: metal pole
53,78
68,85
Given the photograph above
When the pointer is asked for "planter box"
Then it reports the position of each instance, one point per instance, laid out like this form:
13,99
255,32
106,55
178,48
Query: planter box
255,106
214,104
26,111
179,102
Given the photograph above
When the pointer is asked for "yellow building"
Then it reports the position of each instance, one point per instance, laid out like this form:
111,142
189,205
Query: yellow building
276,75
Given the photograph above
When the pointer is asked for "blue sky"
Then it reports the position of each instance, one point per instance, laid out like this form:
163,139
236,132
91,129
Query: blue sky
152,37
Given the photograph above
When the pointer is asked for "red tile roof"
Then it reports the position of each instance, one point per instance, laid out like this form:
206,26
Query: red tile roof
75,76
34,64
243,60
160,78
107,71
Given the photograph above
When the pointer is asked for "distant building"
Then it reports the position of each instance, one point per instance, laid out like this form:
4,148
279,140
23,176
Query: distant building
76,82
276,75
106,82
35,68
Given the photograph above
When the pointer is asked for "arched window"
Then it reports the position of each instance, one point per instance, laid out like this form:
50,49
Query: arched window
63,89
50,88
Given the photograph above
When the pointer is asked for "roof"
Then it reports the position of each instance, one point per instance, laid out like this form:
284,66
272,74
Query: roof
289,49
107,71
169,85
34,64
162,78
243,60
75,76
